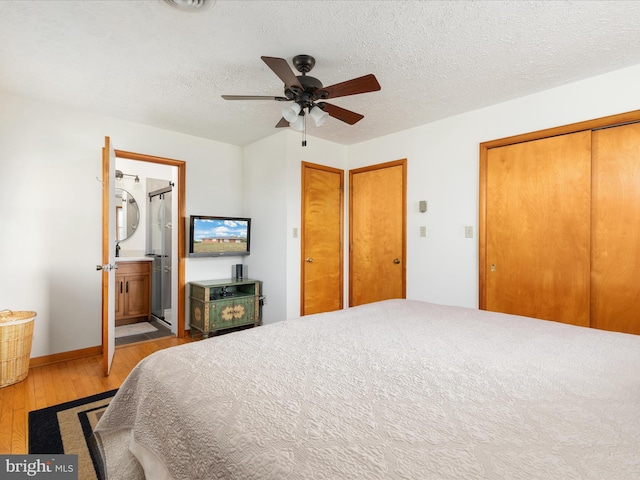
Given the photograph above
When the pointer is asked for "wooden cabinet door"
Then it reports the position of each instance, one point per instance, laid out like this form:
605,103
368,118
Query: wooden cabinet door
133,293
137,295
322,227
377,233
538,199
615,277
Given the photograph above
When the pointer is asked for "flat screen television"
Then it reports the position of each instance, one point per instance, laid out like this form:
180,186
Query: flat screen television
219,236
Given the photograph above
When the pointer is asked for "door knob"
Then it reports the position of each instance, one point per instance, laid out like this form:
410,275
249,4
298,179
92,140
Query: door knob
107,267
396,260
309,260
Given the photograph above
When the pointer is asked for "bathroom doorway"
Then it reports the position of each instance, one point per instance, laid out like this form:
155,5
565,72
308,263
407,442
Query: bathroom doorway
178,235
151,185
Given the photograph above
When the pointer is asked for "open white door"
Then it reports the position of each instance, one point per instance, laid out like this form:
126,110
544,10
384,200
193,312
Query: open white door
108,255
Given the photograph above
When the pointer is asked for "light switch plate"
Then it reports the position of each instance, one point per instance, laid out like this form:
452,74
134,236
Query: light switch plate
468,232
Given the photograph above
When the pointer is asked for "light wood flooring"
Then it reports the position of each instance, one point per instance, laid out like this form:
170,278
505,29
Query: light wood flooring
49,385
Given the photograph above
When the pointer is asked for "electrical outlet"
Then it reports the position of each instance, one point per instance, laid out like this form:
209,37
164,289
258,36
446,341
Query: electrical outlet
423,231
468,232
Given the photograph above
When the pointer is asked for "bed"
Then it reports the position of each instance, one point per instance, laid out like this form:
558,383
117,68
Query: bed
398,389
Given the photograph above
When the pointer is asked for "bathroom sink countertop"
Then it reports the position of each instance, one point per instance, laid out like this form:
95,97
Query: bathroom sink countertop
133,259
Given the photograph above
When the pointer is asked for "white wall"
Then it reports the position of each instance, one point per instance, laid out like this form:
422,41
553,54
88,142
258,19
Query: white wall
443,166
50,221
265,193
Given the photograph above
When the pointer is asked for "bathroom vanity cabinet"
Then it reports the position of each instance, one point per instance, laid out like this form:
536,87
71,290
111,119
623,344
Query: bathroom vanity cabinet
133,292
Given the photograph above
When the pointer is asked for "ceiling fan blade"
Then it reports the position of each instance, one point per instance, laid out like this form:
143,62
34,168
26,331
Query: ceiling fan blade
347,116
365,84
282,69
253,97
282,123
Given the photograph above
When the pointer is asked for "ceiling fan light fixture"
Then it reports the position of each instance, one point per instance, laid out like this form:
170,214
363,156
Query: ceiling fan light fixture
190,5
291,112
298,123
319,116
304,91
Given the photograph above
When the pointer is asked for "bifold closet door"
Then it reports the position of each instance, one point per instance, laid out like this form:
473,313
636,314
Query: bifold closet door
615,278
538,206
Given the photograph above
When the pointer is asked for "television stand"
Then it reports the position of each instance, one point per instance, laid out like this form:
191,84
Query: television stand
221,304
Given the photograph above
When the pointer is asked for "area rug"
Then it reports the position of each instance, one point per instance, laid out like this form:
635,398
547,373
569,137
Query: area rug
134,329
67,428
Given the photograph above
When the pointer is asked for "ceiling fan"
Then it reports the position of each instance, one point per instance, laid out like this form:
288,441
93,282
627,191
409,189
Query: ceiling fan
307,93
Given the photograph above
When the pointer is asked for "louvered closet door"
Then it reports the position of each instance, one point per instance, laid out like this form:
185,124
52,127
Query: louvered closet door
538,228
615,279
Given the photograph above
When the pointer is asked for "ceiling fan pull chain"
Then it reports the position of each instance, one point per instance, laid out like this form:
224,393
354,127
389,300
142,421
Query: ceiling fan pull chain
304,131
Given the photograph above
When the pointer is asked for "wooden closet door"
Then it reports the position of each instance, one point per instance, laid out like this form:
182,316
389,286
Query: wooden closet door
377,232
538,228
322,227
615,277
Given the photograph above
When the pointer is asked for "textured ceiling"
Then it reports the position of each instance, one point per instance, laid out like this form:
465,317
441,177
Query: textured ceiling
148,62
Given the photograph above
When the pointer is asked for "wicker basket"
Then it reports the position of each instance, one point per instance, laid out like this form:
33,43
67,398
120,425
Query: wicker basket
16,332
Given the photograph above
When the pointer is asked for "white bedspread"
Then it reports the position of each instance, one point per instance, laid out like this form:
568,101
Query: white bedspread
394,390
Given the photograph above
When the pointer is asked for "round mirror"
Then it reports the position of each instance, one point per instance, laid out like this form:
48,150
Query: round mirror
127,214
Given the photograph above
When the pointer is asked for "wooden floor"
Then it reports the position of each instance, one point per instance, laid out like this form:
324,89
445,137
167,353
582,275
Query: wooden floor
49,385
